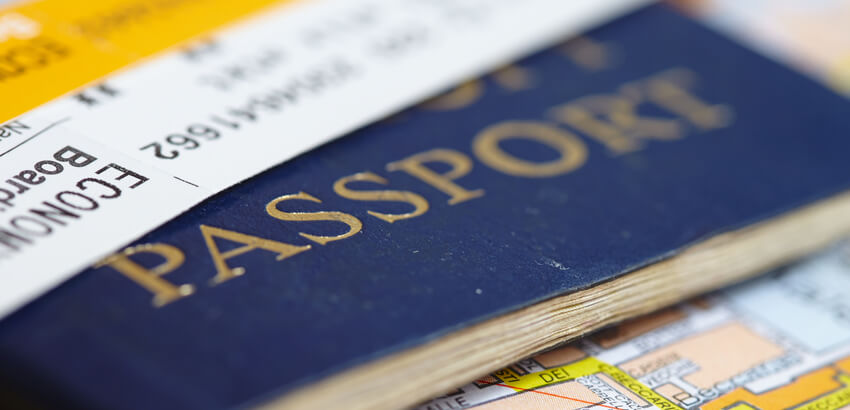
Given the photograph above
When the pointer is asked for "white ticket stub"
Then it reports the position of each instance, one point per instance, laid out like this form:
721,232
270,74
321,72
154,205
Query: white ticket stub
96,165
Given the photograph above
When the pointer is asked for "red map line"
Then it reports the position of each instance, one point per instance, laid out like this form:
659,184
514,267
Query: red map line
550,394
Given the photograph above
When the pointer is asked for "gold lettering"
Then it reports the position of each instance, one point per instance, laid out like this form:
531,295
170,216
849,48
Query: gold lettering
164,292
514,78
510,77
668,90
224,272
419,203
460,163
572,150
621,129
589,54
459,97
354,224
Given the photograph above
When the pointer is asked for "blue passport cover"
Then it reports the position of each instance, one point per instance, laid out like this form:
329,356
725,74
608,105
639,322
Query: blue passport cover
553,175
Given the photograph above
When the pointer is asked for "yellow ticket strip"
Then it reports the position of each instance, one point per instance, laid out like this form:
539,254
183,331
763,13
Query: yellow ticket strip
49,48
581,368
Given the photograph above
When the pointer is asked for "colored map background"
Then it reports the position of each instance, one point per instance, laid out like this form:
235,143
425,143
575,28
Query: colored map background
780,341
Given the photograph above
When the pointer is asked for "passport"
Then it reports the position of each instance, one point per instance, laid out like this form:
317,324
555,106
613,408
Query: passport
643,163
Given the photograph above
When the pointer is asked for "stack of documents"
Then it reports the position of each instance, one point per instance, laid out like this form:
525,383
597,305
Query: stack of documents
367,204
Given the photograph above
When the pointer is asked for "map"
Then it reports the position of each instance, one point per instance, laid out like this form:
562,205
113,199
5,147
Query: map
780,341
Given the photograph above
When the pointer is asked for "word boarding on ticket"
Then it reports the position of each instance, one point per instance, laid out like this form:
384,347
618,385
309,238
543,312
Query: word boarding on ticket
117,115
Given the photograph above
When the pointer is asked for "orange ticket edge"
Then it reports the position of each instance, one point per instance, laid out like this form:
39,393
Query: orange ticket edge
52,48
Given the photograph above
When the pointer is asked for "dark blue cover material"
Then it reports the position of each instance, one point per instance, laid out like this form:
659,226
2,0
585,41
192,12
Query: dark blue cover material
754,140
